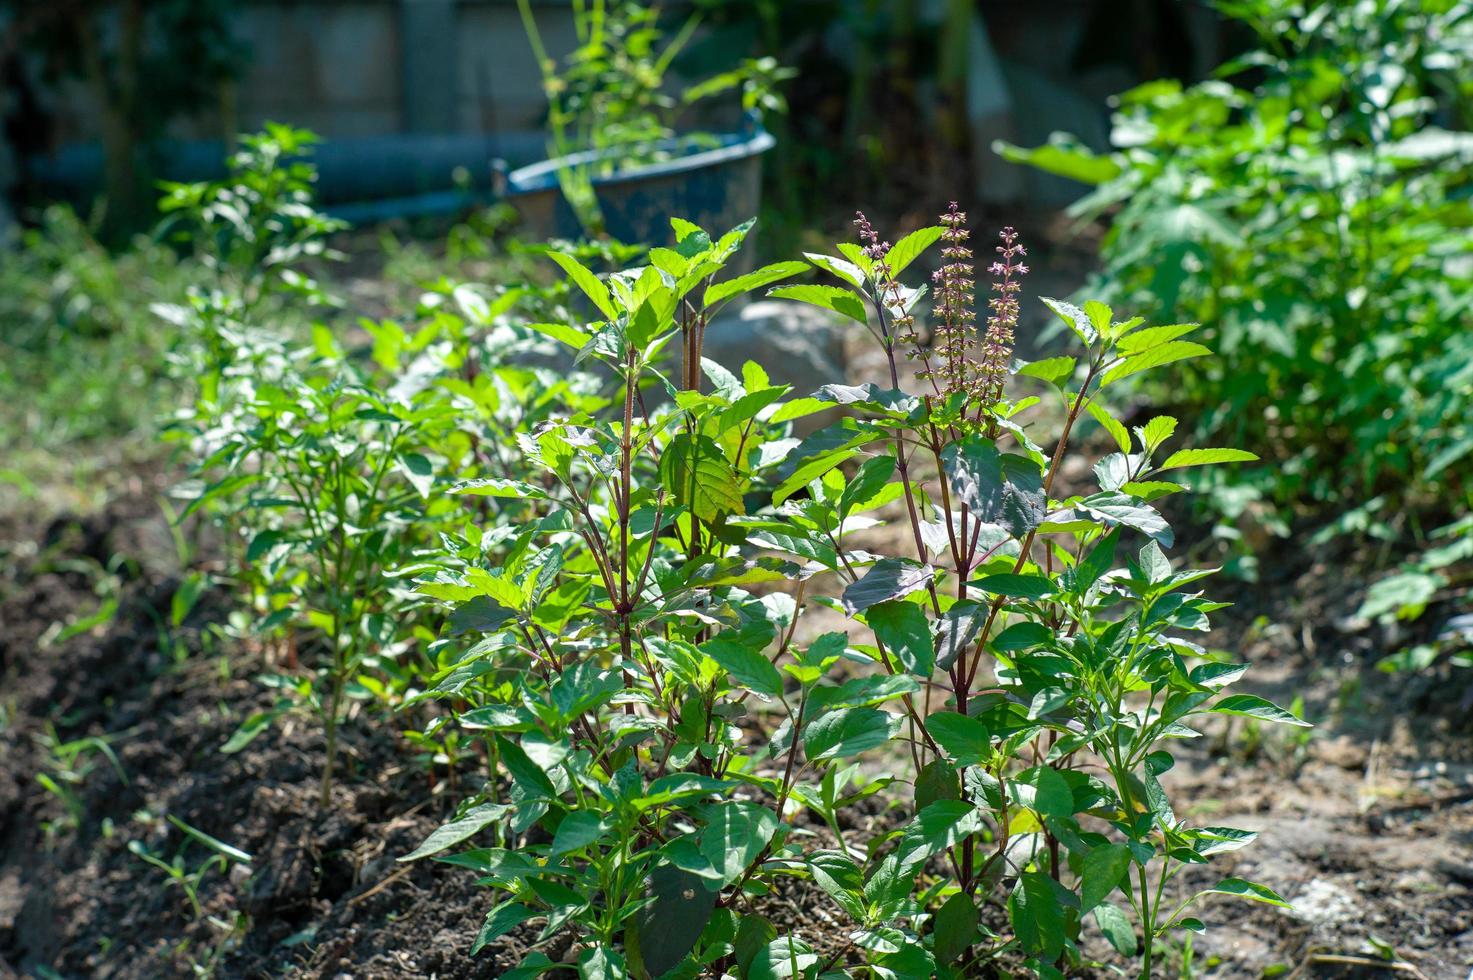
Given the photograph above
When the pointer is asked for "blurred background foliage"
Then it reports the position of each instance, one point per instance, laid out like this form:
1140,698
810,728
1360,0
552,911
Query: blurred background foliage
1293,174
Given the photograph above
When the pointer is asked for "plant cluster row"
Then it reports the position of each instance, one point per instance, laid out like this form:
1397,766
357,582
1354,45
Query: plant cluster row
574,557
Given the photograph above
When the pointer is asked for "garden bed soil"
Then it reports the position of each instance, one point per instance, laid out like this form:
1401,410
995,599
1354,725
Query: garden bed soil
1367,827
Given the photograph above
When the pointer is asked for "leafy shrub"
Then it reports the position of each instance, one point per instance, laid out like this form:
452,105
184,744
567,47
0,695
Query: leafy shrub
1308,207
1011,573
655,730
319,460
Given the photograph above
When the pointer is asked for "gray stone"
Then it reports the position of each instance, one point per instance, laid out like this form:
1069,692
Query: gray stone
795,343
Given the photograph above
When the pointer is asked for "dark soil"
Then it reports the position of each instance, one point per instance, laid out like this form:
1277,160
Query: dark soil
1367,827
327,896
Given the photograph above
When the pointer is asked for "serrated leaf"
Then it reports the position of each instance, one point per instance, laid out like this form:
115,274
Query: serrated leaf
577,830
1115,926
1053,370
1202,457
1253,706
847,271
1104,867
1154,357
1246,889
764,276
699,476
1015,586
1117,430
910,248
506,489
750,667
888,578
904,629
1117,508
563,333
590,284
964,738
955,927
847,732
835,298
1000,488
500,921
448,835
1074,318
1037,916
1145,339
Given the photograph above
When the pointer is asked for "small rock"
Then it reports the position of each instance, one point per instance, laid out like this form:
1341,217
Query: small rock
1322,903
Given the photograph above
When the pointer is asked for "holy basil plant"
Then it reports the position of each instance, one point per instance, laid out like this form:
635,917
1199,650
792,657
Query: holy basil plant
669,741
651,721
1047,627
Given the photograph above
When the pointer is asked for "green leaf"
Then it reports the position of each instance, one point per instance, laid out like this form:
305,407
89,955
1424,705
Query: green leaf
506,489
847,732
735,833
839,877
1154,357
753,934
526,772
500,921
836,298
1064,156
1037,916
870,478
956,629
1117,431
1015,586
1000,488
1144,340
888,578
910,248
1074,318
468,825
1117,508
939,826
418,471
955,928
249,729
847,271
1105,866
563,333
1021,636
1253,706
751,669
669,926
1116,928
599,962
1046,792
1053,370
764,276
577,830
262,544
1246,889
480,615
1202,457
963,738
903,628
1405,594
591,285
700,477
937,780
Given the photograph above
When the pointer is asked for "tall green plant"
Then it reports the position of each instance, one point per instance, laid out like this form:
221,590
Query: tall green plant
1052,654
1310,206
